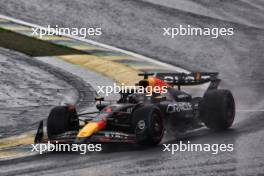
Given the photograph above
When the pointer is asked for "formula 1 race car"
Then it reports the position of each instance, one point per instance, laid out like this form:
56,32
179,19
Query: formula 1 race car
140,118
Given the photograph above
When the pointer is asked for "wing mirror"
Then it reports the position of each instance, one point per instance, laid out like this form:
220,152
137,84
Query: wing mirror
159,98
100,99
100,106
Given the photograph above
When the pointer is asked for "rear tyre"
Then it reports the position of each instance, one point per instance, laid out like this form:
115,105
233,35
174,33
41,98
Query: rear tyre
62,119
217,109
148,125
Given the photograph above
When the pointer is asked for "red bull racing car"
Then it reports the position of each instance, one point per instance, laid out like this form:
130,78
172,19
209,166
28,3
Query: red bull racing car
142,119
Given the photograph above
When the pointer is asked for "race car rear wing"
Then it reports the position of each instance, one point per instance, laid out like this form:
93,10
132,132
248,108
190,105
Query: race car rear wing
190,79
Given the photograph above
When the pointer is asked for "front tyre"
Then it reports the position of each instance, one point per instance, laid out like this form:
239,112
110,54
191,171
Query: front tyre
217,109
148,125
62,119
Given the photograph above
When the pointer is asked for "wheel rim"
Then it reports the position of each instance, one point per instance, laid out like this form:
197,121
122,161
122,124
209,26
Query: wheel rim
141,125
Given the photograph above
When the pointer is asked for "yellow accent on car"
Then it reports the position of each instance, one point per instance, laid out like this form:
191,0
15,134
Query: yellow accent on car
88,130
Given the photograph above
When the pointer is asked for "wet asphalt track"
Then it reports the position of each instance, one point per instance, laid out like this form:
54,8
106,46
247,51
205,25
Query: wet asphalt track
135,25
30,88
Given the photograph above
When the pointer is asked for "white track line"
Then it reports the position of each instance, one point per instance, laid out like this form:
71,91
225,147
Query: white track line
169,66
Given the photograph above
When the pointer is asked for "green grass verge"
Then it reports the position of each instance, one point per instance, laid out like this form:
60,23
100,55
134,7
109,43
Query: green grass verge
33,46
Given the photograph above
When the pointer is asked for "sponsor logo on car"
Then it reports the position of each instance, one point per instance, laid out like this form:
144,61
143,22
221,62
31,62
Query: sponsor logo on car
179,107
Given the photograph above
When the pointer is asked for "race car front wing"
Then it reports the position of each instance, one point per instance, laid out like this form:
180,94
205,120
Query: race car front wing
70,137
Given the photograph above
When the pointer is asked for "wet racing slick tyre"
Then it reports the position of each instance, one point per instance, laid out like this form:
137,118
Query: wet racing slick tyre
148,125
218,109
62,119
